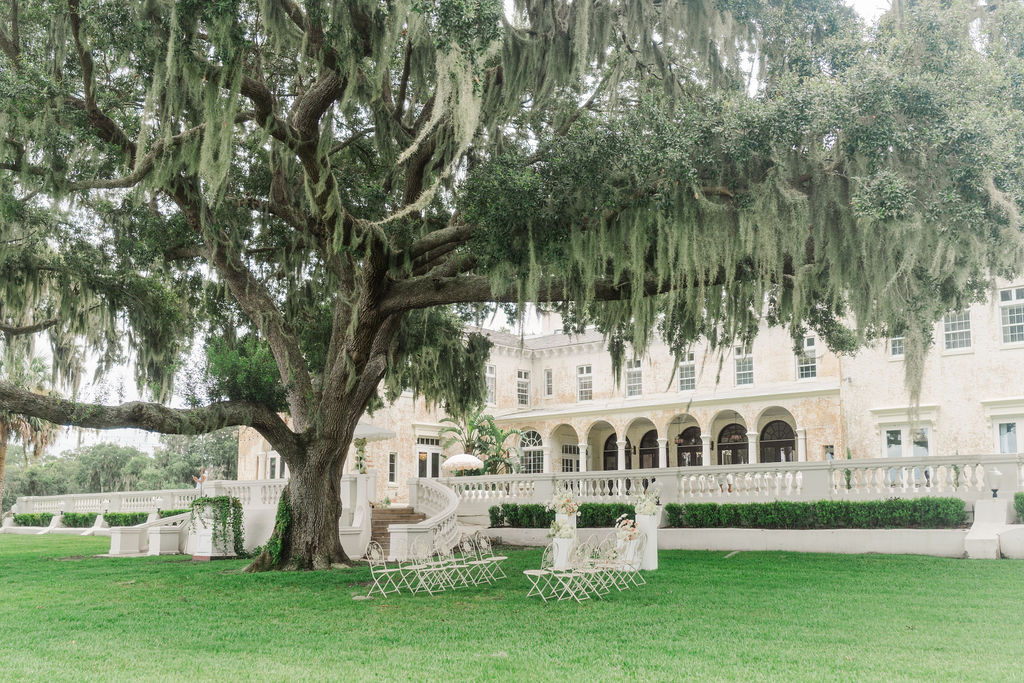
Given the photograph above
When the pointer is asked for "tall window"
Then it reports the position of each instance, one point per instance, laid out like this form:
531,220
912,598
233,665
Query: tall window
898,442
689,447
549,382
489,375
777,442
806,363
957,328
1008,437
744,365
1011,315
533,453
570,457
523,387
584,383
392,468
896,347
634,378
687,373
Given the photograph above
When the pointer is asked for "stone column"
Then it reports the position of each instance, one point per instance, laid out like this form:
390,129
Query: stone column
547,459
662,452
801,445
583,456
753,457
621,461
705,450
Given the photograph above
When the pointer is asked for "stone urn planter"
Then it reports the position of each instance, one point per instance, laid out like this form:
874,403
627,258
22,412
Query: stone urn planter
211,533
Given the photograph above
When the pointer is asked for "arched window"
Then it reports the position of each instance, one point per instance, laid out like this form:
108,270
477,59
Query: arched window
777,442
611,453
649,450
732,445
688,447
533,454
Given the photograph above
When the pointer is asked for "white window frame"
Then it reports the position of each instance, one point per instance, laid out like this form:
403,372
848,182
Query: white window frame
634,378
584,382
807,361
956,331
490,377
533,452
687,373
393,468
549,382
523,388
1018,425
744,355
908,439
1011,303
891,347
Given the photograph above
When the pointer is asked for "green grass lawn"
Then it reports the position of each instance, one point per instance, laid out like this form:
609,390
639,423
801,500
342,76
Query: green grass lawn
67,615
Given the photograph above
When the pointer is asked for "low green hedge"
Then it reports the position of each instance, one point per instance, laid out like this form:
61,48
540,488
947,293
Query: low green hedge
125,518
533,516
80,520
1018,504
33,519
894,513
171,513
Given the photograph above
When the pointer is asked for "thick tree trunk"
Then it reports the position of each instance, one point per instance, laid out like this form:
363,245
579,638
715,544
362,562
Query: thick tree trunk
4,435
306,534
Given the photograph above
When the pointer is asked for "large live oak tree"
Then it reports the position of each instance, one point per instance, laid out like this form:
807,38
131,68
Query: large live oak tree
326,192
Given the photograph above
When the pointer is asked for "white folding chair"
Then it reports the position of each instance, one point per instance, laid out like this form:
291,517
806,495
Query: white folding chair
385,579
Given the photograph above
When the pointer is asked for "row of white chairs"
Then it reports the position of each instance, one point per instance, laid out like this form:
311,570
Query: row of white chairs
433,567
595,568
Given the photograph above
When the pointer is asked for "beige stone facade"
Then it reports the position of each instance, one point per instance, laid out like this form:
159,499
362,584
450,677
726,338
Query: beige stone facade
762,404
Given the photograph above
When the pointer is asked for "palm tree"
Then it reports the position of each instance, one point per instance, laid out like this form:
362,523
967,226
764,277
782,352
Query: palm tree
35,434
478,435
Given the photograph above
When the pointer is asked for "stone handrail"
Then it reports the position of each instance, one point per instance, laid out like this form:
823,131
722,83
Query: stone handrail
964,476
441,506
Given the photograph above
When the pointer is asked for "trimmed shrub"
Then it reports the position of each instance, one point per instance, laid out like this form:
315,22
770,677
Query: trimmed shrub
894,513
80,520
33,519
125,518
1018,504
497,519
171,513
602,515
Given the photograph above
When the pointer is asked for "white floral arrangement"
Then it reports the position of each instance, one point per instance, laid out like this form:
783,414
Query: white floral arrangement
625,529
647,502
564,503
559,530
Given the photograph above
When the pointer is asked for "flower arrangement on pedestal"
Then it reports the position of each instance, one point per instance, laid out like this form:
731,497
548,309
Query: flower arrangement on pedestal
625,529
647,502
560,530
563,503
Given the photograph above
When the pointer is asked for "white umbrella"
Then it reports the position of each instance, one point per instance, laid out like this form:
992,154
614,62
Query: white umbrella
462,461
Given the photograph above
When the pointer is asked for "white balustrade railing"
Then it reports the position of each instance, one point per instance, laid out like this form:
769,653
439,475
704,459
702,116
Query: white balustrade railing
441,506
965,476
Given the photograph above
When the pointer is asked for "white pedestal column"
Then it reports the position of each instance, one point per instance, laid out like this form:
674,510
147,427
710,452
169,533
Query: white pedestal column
705,450
563,550
648,524
662,452
566,520
753,457
801,445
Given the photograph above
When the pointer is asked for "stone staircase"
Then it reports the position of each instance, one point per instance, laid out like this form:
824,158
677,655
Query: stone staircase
381,518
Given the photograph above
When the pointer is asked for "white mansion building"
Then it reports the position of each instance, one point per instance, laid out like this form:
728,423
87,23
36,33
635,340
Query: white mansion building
760,403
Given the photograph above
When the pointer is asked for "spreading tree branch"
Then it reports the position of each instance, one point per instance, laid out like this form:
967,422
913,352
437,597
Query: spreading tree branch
153,417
